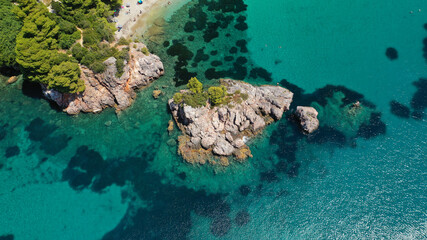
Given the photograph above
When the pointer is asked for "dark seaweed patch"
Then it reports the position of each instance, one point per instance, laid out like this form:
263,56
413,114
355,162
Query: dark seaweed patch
220,226
166,44
391,53
242,44
242,26
374,128
269,176
233,50
211,31
244,190
216,63
241,18
87,168
12,151
201,56
241,60
326,134
399,109
180,50
42,132
213,53
7,237
228,58
425,48
3,131
211,73
190,38
182,176
38,129
242,218
194,64
298,92
419,99
259,72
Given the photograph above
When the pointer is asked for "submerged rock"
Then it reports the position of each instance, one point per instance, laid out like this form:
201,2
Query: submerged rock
105,89
222,130
156,94
308,118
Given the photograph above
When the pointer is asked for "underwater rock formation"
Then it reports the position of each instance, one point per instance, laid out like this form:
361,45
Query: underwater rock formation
308,118
105,89
223,130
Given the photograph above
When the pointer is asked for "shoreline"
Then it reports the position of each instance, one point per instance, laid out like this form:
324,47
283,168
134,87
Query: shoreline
138,18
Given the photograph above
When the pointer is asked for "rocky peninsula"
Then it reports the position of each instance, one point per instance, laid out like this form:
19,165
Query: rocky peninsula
106,89
220,125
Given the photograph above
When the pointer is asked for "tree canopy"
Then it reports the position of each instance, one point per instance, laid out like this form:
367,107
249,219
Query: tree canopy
10,26
36,47
65,77
195,85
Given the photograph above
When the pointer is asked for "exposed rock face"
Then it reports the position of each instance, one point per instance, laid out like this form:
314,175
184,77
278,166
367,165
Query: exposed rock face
224,130
105,89
308,118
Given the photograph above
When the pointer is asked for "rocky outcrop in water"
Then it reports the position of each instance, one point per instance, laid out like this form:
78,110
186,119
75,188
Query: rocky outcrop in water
223,130
105,89
308,118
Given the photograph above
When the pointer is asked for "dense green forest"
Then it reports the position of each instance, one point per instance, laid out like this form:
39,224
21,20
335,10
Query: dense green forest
46,45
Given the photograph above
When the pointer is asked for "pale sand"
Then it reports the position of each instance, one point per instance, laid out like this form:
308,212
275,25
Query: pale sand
142,16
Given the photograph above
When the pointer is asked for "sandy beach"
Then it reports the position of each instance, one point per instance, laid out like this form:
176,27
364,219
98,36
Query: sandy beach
134,17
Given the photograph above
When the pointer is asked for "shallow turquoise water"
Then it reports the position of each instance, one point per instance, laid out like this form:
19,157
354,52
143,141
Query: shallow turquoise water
77,178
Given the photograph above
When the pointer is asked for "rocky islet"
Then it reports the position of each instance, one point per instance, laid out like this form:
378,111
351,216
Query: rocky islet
223,130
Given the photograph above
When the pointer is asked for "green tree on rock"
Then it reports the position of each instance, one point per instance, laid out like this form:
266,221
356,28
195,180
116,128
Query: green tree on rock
216,95
65,77
195,85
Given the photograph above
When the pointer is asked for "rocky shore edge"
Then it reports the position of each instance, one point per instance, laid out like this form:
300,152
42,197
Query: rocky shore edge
106,89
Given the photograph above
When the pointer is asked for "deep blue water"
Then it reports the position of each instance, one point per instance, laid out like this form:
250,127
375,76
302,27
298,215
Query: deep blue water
362,175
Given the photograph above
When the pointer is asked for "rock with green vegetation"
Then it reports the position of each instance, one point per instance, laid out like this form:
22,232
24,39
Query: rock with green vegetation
222,129
106,89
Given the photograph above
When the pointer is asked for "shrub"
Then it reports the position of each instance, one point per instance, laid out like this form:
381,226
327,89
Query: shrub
177,98
195,99
79,52
65,77
145,51
194,85
88,59
97,67
67,27
123,41
244,96
216,95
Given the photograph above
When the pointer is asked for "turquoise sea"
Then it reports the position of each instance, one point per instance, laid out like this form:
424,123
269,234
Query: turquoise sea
117,176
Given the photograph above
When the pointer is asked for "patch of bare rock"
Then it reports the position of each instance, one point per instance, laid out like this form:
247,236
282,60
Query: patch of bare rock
308,118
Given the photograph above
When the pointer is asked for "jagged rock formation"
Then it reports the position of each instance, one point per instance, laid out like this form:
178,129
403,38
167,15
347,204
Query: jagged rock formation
223,130
308,118
105,89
